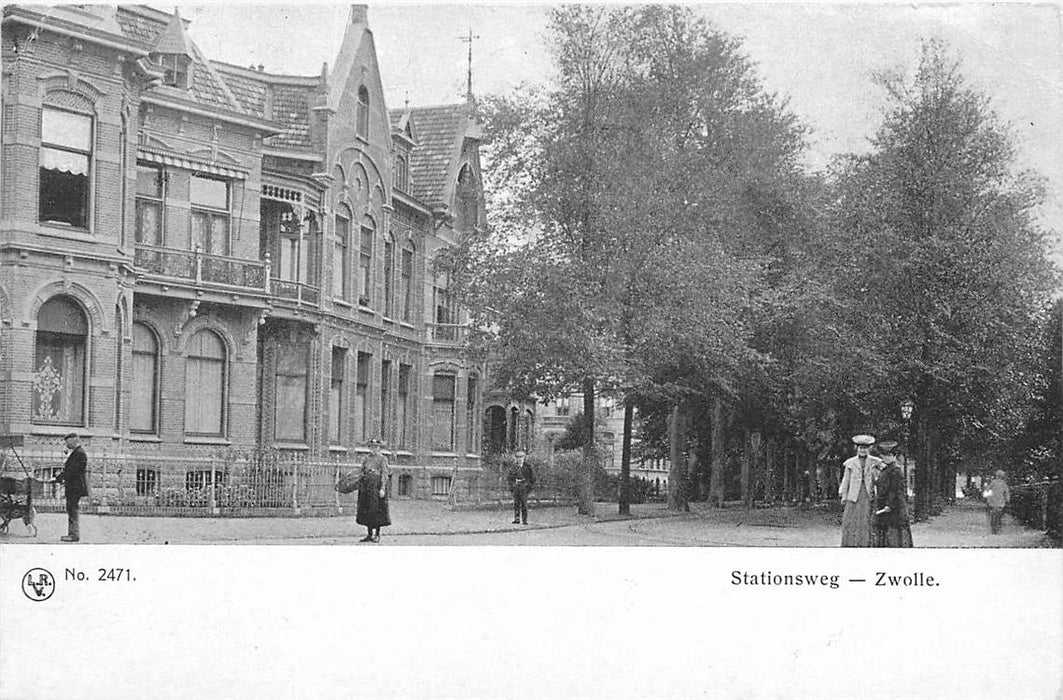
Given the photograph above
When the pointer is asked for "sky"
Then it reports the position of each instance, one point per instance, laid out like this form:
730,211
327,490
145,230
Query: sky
820,56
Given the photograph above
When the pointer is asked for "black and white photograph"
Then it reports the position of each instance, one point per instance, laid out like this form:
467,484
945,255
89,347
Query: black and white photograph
531,351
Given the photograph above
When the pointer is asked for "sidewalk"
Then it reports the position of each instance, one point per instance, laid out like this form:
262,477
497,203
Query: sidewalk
961,525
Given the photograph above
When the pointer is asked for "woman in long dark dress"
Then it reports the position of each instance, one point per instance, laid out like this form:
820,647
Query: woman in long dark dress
372,493
892,528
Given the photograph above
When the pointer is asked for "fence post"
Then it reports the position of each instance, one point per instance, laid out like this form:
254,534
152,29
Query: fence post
335,491
295,486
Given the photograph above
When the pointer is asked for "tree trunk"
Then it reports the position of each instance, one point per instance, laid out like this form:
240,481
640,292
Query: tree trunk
787,466
747,458
625,457
922,471
719,453
677,473
769,471
585,500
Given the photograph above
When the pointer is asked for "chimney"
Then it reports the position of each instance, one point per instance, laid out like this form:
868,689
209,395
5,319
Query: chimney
359,14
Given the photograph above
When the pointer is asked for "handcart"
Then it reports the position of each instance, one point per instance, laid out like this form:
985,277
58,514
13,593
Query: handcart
16,494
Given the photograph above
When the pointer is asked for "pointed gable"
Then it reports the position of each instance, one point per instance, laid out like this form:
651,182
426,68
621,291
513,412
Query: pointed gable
173,40
441,134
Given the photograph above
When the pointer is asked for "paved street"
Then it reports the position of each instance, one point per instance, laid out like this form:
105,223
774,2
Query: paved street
431,523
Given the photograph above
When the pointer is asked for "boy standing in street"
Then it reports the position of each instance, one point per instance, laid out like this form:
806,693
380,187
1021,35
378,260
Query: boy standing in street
521,479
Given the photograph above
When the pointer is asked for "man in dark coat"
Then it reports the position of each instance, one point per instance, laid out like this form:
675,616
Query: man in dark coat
521,480
74,476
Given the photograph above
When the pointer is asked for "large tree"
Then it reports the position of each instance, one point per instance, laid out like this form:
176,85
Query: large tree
946,271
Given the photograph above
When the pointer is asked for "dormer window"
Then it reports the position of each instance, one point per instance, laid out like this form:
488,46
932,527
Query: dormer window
178,69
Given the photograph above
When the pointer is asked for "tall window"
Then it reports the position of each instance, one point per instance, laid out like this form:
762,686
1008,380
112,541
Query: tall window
150,198
403,408
402,173
389,276
341,261
59,377
143,409
361,398
205,384
362,113
365,264
467,196
472,410
562,406
446,313
290,410
65,159
385,397
335,396
406,284
210,214
443,412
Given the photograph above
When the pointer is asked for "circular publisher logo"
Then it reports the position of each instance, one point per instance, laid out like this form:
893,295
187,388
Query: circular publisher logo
38,584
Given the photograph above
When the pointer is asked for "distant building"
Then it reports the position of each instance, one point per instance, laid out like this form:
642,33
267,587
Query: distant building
199,256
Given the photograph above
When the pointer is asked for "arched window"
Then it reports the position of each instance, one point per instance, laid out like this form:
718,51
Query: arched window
205,384
443,412
341,261
143,414
389,276
362,115
468,199
406,283
59,375
365,263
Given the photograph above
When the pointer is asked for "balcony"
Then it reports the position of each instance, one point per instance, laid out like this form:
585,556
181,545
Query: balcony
201,271
448,333
299,293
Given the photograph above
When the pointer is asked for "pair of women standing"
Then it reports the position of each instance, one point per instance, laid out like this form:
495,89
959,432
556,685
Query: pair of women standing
373,482
873,491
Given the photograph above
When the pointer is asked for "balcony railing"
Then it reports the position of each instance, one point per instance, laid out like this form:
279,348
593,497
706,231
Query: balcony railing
298,292
202,268
447,332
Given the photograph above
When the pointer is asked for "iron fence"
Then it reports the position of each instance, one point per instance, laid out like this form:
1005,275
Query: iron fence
231,483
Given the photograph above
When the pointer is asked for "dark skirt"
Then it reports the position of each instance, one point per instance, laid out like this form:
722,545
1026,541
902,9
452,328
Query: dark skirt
372,509
893,536
893,529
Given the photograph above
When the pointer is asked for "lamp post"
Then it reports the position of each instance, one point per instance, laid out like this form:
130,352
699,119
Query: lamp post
906,413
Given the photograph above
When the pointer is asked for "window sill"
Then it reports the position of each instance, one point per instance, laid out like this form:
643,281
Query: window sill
407,324
337,448
61,430
144,438
71,233
366,310
293,446
445,454
206,440
341,302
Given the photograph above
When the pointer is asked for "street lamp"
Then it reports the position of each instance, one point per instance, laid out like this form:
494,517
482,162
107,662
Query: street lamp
906,413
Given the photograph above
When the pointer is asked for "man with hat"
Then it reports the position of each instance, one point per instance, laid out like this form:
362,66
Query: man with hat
997,496
75,477
521,479
857,491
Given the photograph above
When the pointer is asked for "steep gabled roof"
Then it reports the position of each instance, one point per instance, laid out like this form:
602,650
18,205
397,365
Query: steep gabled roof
440,133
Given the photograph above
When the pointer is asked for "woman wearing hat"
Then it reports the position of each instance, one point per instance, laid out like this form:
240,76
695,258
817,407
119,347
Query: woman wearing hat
372,493
892,528
857,491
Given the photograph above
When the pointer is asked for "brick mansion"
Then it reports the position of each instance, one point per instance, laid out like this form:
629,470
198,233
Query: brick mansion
198,257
